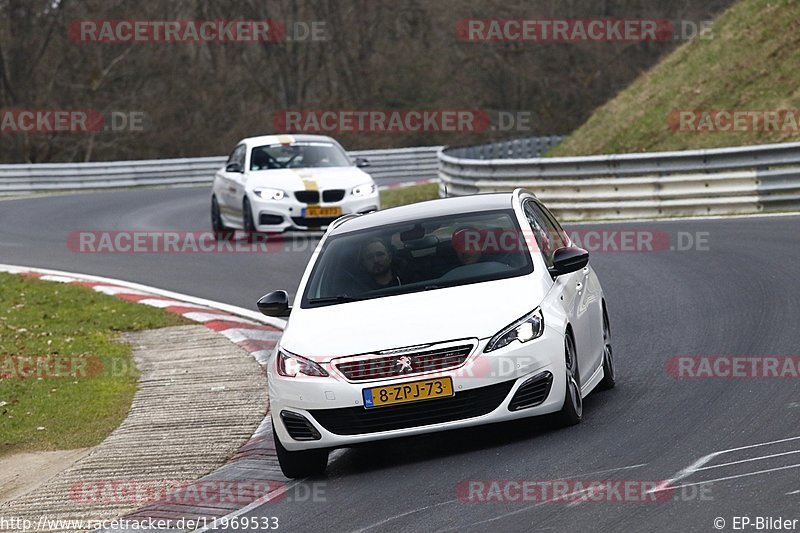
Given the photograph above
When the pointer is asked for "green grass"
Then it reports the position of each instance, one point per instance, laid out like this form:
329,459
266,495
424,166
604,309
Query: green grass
749,64
409,195
80,404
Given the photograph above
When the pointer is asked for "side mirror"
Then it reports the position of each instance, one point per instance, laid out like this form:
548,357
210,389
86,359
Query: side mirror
568,259
234,167
275,304
362,162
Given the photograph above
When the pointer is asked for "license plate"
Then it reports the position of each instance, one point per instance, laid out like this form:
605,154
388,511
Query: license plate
314,211
408,392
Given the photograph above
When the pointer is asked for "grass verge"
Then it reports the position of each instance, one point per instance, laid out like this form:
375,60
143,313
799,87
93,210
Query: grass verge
409,195
65,380
749,64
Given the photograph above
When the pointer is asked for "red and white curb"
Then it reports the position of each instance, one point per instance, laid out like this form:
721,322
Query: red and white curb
255,333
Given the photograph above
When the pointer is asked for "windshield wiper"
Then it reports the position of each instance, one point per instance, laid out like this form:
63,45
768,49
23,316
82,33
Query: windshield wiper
338,299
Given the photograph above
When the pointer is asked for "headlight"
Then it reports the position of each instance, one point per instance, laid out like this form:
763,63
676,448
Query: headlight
269,194
291,365
525,329
365,189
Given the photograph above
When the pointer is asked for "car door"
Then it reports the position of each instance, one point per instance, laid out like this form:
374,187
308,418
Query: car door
231,179
549,238
589,312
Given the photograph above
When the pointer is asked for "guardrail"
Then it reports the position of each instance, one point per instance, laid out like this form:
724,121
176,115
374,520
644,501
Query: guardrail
748,179
387,166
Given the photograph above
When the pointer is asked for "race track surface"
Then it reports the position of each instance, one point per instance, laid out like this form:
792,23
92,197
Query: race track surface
738,297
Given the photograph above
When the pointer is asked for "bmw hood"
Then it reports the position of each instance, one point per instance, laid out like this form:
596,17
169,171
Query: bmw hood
477,310
308,178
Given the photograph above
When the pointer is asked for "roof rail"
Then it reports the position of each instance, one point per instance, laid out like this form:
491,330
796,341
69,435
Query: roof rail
341,219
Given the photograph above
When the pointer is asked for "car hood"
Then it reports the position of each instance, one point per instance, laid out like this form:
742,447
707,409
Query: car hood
299,179
468,311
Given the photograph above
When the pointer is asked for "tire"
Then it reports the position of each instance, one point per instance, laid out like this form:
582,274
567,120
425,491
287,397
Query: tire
609,373
572,411
247,213
217,226
306,463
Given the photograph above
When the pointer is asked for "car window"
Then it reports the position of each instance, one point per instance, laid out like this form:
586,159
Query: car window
549,237
298,155
413,256
561,236
237,156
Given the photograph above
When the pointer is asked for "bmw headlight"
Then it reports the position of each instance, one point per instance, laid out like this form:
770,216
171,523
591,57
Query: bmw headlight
527,328
290,365
269,194
365,189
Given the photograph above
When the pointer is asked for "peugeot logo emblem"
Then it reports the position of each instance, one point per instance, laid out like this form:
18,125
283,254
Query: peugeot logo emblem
404,364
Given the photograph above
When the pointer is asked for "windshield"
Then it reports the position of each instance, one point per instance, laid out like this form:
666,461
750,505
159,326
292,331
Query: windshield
419,255
298,155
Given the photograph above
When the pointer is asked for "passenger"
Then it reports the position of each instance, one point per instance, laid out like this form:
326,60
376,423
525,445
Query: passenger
467,245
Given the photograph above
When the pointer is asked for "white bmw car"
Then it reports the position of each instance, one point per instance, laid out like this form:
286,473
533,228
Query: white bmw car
437,315
275,183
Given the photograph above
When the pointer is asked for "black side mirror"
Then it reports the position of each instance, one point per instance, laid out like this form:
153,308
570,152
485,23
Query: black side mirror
362,162
233,167
569,259
275,304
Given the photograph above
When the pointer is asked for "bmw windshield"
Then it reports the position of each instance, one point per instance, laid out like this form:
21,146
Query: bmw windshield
418,255
298,155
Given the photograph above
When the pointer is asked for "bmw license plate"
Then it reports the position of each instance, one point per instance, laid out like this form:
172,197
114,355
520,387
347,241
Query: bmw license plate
408,392
315,211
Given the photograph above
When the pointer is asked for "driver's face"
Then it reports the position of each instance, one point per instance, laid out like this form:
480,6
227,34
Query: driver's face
376,259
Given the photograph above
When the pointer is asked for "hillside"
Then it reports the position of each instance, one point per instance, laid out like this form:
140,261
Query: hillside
750,63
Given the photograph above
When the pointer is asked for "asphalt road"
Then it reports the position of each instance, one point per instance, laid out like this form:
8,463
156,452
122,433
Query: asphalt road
737,296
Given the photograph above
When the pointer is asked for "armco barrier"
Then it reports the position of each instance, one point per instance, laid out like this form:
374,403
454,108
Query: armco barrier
748,179
387,166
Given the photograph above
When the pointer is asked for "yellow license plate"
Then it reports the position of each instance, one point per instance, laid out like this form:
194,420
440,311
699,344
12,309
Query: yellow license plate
313,211
408,392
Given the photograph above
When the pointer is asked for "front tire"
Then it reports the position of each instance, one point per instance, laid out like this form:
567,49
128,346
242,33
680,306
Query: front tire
306,463
248,222
572,412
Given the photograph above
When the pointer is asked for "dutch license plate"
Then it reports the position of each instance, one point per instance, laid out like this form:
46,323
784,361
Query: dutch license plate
316,211
408,392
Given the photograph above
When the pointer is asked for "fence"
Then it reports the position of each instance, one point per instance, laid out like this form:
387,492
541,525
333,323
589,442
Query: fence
387,166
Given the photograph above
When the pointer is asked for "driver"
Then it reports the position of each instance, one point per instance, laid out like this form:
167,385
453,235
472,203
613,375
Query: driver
375,258
260,160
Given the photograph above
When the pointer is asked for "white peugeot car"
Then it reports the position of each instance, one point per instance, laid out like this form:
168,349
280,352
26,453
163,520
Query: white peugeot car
431,316
276,183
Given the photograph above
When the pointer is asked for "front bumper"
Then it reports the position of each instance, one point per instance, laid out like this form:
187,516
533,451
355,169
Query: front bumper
492,379
288,213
